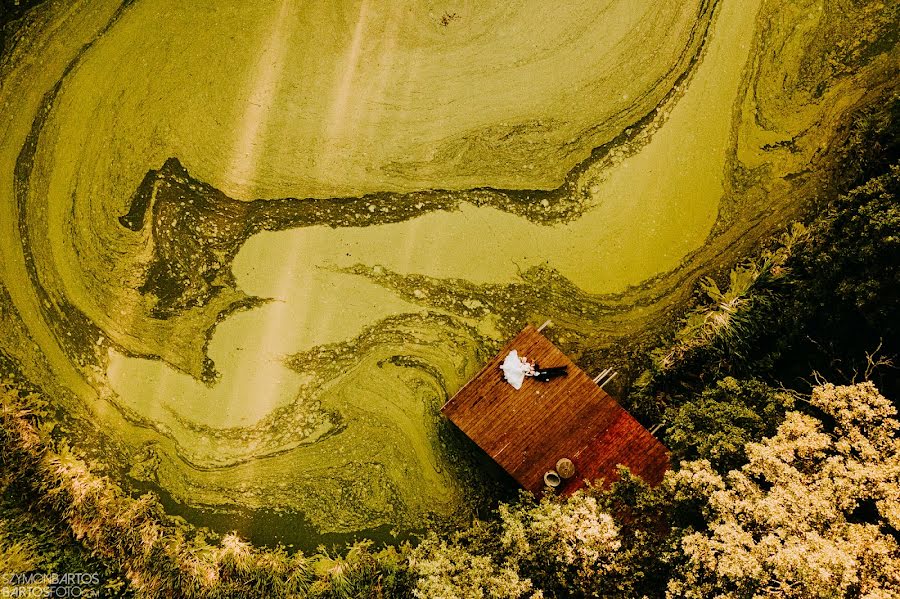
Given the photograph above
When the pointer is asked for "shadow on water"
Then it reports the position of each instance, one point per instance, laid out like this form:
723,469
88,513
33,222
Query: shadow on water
12,10
269,528
489,485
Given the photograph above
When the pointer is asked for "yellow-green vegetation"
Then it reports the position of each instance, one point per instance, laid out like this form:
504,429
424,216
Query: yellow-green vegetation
717,423
159,556
814,512
16,554
248,249
428,184
720,323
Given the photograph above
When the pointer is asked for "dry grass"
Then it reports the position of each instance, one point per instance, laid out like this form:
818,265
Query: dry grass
160,557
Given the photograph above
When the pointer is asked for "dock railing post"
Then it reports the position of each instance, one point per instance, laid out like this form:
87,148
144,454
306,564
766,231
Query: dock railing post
604,377
611,377
601,375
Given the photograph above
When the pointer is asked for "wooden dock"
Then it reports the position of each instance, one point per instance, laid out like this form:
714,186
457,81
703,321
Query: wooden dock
527,430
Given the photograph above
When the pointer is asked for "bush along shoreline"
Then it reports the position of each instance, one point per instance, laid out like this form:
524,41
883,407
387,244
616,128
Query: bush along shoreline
157,555
784,485
820,305
815,511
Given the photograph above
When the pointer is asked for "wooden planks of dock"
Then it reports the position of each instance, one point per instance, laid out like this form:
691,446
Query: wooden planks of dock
527,430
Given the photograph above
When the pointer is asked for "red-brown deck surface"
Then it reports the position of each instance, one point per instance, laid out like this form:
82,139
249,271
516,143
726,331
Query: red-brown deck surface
527,430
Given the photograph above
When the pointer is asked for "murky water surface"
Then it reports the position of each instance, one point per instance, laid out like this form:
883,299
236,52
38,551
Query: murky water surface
259,244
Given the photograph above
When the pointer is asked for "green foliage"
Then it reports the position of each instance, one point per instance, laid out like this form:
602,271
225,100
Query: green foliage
619,542
17,554
719,325
720,334
872,146
160,557
451,571
716,424
568,547
814,513
30,543
852,254
651,523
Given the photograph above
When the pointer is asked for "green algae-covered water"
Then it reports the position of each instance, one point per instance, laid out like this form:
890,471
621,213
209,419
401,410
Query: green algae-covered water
251,248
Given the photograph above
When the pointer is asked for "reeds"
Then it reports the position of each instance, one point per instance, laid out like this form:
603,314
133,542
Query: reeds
162,558
723,324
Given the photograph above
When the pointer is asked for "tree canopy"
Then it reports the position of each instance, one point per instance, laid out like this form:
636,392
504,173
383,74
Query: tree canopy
814,513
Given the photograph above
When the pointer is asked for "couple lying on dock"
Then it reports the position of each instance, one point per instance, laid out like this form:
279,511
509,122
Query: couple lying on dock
515,369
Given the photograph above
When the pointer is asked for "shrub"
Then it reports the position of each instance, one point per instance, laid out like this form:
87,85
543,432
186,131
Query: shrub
717,424
160,557
813,513
450,571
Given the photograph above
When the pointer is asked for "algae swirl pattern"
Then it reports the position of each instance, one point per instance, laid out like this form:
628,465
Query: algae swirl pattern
251,259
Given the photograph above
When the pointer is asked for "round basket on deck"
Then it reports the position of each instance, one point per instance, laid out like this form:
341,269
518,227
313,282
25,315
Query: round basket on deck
565,468
552,479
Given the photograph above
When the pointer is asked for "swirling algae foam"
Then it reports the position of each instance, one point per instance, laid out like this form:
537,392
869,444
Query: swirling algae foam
249,250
